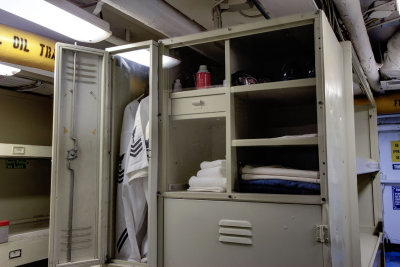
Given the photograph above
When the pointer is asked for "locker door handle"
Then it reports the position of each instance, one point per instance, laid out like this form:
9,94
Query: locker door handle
198,103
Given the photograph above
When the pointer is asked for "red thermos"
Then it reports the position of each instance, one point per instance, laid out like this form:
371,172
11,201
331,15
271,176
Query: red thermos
203,77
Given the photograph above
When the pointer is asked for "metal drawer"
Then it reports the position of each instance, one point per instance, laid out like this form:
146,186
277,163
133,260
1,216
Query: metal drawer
198,104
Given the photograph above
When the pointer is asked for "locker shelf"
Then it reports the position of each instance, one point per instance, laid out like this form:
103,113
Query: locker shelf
285,89
276,198
279,141
30,238
199,92
24,151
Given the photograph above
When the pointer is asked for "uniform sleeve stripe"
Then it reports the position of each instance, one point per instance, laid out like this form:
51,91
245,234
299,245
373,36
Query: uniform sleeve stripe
137,152
121,236
122,242
135,145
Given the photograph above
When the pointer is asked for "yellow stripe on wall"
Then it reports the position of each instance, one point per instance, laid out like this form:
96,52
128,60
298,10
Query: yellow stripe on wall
26,49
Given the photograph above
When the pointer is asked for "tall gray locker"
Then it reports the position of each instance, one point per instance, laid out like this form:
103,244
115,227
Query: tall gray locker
240,123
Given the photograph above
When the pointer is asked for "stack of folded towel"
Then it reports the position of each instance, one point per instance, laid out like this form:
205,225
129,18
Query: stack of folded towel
279,172
210,178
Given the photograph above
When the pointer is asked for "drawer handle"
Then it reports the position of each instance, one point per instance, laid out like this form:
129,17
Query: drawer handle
197,103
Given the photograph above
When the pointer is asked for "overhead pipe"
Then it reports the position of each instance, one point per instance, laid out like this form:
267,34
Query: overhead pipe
391,63
260,8
350,12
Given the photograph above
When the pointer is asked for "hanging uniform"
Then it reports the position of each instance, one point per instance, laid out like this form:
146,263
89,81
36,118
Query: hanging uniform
123,248
137,174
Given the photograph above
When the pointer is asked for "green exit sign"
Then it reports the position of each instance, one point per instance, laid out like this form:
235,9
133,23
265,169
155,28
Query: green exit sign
16,163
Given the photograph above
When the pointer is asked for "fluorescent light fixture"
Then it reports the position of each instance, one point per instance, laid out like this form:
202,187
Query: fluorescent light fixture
142,57
7,70
397,2
62,17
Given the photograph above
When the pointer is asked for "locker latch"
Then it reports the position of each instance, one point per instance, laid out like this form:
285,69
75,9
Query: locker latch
321,233
72,154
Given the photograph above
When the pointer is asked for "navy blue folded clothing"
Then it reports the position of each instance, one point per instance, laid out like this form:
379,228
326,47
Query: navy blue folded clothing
277,186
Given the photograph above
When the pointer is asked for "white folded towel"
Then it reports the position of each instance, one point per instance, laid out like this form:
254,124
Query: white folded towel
212,172
270,177
212,164
207,182
281,171
207,189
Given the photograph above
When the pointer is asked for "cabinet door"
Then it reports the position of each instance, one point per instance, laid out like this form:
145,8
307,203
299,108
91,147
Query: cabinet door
80,167
336,78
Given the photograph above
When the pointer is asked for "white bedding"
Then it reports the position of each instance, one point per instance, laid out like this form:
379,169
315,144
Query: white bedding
212,164
207,189
212,172
279,171
270,177
207,182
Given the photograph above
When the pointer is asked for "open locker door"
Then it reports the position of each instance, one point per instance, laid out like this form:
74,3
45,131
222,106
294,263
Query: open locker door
80,167
342,203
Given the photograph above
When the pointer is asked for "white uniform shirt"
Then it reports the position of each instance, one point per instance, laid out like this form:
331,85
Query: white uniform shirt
138,162
122,247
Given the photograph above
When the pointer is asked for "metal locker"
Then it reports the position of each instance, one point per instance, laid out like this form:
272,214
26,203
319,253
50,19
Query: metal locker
86,104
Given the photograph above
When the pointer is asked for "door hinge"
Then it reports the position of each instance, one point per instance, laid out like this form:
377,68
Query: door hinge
321,233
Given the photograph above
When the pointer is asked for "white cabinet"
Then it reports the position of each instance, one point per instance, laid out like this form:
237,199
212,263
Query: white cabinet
304,92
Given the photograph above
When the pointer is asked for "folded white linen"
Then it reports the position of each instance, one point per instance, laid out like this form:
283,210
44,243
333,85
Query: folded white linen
212,164
207,182
281,171
207,189
212,172
270,177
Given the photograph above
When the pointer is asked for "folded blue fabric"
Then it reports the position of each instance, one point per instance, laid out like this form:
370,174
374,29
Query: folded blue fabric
277,186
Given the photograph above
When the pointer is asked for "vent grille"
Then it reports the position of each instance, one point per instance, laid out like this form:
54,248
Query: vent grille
235,231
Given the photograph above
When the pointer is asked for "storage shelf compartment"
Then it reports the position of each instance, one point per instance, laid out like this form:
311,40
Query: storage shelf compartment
278,141
24,191
210,54
25,119
286,54
24,151
190,143
293,157
263,114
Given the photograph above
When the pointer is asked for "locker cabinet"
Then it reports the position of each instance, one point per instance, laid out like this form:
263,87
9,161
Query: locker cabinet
310,103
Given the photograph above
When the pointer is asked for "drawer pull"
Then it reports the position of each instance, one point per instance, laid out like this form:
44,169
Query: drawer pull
236,240
198,103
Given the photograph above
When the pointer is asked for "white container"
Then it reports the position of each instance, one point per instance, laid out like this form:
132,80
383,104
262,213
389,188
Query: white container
177,85
4,225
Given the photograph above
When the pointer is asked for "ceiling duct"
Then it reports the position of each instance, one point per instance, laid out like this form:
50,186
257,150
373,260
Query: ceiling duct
350,13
